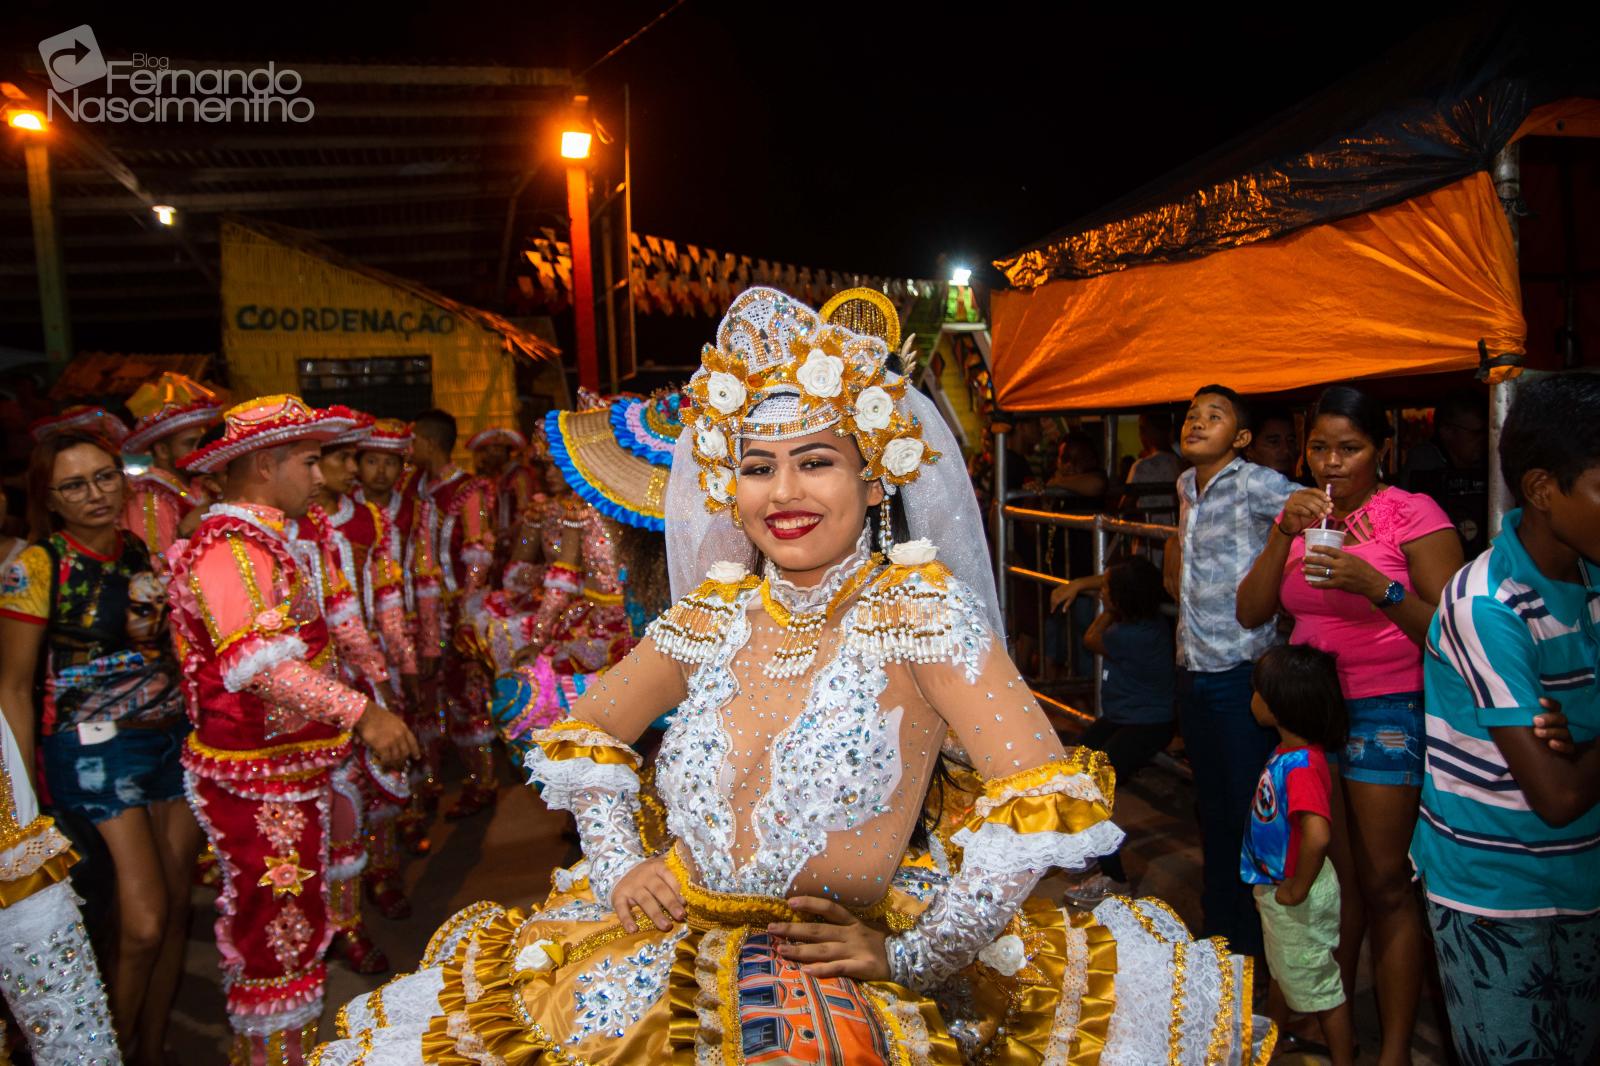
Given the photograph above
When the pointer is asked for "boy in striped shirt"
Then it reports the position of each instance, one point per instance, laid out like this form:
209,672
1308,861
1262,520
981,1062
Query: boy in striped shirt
1508,842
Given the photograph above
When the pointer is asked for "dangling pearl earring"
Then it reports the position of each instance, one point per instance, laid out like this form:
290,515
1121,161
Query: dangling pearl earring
885,526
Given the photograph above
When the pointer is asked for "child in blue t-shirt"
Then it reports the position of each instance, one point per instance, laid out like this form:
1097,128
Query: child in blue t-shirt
1136,693
1285,854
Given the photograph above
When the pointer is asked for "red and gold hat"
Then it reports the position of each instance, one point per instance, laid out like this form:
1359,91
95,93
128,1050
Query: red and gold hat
266,422
81,418
358,433
168,405
497,435
388,435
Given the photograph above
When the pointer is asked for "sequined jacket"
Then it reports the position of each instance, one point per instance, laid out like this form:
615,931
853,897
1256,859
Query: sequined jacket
260,670
158,501
410,524
465,538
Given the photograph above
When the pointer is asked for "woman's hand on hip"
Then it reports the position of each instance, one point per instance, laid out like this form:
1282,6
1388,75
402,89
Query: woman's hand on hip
651,887
840,945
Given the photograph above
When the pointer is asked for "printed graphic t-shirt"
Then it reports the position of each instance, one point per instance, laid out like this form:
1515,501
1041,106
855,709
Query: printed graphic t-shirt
1295,781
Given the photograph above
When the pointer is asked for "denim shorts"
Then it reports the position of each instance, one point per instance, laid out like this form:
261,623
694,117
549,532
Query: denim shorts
135,768
1386,740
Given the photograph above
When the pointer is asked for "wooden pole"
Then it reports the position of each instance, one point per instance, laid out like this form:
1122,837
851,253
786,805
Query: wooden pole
47,257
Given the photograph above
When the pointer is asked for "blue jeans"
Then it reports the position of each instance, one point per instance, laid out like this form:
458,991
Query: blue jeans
135,768
1227,751
1387,736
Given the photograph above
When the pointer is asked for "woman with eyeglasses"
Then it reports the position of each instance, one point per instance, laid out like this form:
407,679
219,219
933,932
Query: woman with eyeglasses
110,720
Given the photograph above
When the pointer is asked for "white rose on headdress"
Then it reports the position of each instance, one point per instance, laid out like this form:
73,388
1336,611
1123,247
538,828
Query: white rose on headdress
1005,956
913,552
719,483
821,374
534,957
727,573
874,409
902,455
711,442
725,392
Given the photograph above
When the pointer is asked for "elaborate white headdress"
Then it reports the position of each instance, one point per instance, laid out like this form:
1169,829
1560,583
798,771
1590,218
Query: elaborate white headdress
781,370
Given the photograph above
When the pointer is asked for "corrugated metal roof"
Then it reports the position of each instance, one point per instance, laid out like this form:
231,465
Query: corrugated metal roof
403,167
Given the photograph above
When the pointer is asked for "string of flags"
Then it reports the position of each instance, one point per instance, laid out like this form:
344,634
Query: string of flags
673,278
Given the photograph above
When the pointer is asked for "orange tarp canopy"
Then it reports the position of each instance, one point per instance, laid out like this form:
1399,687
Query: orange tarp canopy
1575,116
1407,289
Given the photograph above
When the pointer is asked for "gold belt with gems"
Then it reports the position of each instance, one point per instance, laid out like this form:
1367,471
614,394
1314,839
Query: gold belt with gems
708,908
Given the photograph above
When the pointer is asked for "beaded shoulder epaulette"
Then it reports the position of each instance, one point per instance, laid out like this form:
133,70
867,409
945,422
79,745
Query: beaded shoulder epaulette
691,629
919,613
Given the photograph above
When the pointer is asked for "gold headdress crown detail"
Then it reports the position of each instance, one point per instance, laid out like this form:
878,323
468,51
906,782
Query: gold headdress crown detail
781,370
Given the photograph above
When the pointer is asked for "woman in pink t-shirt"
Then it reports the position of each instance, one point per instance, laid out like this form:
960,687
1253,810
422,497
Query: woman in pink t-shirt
1369,604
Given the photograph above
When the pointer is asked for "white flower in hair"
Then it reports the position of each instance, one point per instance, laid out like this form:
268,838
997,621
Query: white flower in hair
902,455
725,392
821,374
874,409
1005,956
711,442
719,483
913,552
534,957
727,573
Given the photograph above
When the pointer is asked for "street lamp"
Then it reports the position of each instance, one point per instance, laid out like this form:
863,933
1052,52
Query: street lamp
575,144
576,140
960,275
166,214
46,243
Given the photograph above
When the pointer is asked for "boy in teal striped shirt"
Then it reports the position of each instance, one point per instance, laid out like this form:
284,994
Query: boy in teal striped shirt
1508,842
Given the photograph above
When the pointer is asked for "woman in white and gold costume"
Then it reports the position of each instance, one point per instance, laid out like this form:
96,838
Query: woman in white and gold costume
48,972
854,799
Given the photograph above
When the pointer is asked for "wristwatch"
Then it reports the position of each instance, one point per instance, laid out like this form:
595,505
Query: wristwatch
1392,595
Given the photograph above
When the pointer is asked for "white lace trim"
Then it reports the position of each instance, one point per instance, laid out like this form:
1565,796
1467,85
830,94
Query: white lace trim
815,597
273,650
33,852
560,780
997,849
1078,785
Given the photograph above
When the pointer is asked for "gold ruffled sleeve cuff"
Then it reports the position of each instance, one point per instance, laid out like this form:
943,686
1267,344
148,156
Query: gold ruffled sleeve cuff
572,739
1065,795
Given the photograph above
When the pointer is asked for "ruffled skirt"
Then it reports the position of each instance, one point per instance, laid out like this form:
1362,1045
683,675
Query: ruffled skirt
566,984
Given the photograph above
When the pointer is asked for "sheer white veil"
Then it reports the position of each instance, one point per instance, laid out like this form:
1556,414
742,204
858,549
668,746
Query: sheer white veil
940,507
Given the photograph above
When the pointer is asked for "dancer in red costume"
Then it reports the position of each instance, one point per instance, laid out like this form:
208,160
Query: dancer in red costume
466,506
501,456
391,484
173,413
362,602
272,720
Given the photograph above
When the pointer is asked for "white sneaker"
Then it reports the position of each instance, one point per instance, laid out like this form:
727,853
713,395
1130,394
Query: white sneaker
1092,890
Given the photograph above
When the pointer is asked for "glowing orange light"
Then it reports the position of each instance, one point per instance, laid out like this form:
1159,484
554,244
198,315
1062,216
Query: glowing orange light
575,144
27,120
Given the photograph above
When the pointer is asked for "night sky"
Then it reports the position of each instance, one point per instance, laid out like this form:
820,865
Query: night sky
858,137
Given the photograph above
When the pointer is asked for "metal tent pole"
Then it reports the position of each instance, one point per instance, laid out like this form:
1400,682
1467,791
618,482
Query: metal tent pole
1508,186
1000,526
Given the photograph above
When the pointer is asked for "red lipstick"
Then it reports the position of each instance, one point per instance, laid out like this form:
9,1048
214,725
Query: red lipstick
796,524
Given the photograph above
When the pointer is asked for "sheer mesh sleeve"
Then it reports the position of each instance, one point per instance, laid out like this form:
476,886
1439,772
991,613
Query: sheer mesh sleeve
583,764
1039,809
591,773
